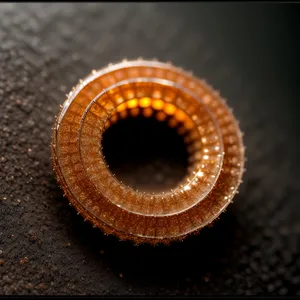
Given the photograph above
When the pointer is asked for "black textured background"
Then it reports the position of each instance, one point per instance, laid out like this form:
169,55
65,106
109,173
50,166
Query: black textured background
250,52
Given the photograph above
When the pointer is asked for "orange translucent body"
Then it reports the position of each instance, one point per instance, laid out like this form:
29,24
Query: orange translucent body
213,140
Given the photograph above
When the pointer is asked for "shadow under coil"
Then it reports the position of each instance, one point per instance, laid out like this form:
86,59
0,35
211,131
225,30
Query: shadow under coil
148,88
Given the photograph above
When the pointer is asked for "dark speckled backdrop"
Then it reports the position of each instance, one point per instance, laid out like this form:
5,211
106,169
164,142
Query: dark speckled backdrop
250,52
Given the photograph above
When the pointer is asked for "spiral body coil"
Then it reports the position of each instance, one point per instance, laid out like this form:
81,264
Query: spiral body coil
211,132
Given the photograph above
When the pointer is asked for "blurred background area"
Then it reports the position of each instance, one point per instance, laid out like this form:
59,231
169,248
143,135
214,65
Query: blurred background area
247,51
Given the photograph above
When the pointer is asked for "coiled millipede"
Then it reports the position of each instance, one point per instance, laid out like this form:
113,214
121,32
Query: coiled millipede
166,94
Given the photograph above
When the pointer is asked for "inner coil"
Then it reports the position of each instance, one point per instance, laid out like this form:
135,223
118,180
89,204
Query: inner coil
148,148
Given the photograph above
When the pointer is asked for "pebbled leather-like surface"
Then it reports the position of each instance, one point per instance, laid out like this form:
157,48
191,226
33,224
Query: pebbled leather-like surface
247,51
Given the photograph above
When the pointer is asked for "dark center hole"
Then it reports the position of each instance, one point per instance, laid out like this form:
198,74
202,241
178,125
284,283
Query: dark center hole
145,153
